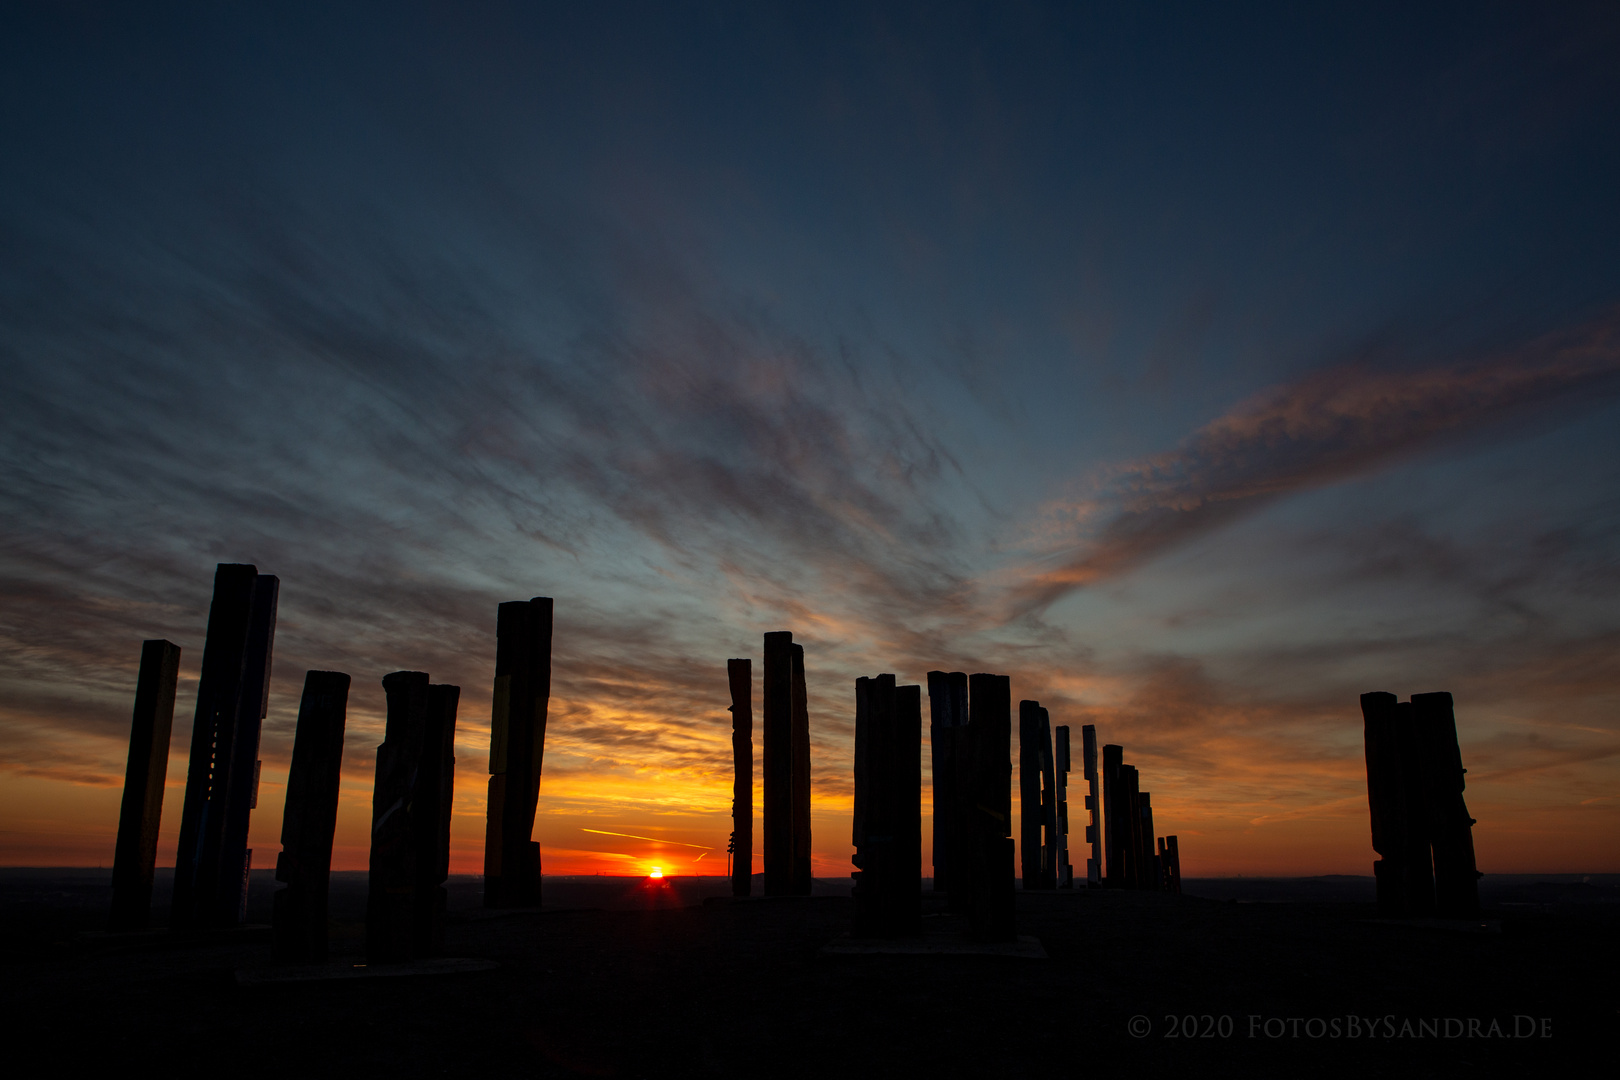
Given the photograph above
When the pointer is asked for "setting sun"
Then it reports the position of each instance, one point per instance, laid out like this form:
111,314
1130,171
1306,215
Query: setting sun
657,872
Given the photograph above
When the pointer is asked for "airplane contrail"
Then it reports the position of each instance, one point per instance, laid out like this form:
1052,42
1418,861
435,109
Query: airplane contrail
654,839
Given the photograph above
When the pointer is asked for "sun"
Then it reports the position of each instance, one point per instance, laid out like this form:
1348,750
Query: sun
657,872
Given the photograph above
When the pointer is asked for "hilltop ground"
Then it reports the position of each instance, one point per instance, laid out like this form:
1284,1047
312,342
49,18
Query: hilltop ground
625,977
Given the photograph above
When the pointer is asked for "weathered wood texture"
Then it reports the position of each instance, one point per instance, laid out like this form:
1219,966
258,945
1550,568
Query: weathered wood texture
141,812
778,731
740,675
991,912
517,752
310,819
799,884
212,860
1093,836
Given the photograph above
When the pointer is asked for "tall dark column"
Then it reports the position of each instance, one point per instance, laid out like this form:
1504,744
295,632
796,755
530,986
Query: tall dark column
1386,802
1029,793
517,751
947,731
390,901
1049,827
863,802
1094,837
410,820
992,912
242,796
1116,830
1065,868
905,888
888,784
433,798
211,863
1173,874
148,767
801,777
1131,833
875,804
1412,751
740,673
310,818
1456,875
1152,876
778,725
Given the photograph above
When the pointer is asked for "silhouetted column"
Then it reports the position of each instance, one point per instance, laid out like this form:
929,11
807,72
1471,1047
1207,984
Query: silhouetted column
517,748
1029,793
1173,854
1412,752
778,725
740,674
142,810
212,860
1131,833
1450,828
1152,876
992,912
875,803
801,777
862,805
947,731
242,797
1386,802
888,821
1116,830
1064,866
1094,837
390,907
309,819
433,798
905,890
1049,826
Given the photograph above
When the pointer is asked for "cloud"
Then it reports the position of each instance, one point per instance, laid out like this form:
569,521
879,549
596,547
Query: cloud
1335,424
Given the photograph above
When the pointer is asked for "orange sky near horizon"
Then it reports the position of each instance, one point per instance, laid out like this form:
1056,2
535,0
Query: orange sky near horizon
1238,813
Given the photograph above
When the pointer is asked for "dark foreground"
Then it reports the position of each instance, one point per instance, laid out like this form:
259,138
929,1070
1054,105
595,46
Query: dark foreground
623,977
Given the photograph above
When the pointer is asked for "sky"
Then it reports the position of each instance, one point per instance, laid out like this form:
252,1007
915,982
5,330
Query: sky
1199,367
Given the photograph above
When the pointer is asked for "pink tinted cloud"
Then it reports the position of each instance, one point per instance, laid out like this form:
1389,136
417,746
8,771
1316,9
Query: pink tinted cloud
1331,425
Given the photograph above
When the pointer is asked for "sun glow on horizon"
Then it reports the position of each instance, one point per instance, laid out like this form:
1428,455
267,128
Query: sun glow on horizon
657,872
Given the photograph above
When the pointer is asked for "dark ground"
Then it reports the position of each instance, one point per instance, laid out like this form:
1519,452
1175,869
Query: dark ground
622,977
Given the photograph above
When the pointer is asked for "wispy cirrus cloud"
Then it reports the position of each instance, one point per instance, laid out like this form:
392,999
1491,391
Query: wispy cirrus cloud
1337,423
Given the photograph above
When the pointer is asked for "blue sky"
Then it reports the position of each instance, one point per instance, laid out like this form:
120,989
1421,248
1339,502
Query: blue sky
1198,367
